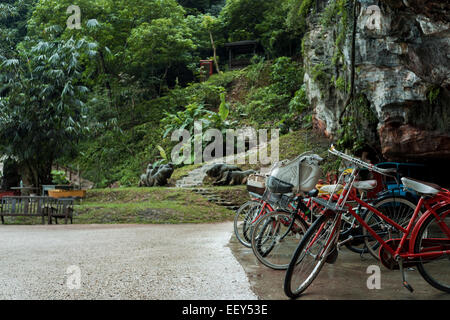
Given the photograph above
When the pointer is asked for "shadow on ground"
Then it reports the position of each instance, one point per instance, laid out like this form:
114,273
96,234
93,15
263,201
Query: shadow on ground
346,279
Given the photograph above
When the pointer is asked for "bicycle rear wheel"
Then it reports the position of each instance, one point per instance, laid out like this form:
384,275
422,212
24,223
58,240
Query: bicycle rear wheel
434,235
243,219
399,209
311,254
275,237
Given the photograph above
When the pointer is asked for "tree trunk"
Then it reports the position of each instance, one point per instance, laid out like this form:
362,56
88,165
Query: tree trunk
214,52
105,72
36,174
11,176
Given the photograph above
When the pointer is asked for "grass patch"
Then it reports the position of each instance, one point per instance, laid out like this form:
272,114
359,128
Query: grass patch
234,194
148,205
141,206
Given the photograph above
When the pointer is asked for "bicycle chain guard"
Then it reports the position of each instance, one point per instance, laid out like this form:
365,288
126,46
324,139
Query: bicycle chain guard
388,260
390,263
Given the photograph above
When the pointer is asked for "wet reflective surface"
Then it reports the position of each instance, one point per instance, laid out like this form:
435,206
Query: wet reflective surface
191,261
346,279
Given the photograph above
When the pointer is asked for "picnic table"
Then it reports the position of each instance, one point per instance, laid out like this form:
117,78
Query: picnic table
25,190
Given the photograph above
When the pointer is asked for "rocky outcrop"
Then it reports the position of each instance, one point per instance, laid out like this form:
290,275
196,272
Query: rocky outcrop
402,61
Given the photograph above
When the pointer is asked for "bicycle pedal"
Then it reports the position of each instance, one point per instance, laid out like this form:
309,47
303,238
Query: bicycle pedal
340,244
408,286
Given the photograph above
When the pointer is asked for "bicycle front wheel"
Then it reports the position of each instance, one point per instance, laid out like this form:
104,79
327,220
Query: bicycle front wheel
434,236
275,237
311,254
243,220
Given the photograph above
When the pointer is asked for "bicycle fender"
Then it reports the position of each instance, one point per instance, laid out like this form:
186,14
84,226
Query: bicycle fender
421,220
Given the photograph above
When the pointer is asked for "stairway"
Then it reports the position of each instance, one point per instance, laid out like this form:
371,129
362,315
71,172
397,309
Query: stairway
212,196
194,178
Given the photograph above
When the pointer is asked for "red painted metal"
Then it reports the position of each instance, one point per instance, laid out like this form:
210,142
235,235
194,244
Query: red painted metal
208,64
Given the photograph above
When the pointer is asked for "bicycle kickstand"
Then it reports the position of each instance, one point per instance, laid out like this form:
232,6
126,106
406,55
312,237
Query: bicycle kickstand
361,256
402,270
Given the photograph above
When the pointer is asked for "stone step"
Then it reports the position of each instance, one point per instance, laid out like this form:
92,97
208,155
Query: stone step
226,203
203,191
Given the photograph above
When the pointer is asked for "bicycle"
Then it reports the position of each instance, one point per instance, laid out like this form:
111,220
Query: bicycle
275,235
250,212
425,242
265,200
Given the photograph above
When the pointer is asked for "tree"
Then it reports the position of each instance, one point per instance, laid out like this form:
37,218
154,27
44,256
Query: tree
203,6
13,23
266,21
209,24
154,47
42,113
115,25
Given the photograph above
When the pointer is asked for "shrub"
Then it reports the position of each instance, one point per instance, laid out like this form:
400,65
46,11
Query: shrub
59,177
286,75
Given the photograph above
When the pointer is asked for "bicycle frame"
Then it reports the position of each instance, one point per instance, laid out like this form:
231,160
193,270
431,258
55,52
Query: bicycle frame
265,205
412,228
299,210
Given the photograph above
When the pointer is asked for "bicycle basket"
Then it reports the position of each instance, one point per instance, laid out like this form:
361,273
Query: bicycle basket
256,184
302,173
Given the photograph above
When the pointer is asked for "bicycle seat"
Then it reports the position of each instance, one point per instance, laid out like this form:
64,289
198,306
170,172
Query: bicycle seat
329,188
421,187
365,185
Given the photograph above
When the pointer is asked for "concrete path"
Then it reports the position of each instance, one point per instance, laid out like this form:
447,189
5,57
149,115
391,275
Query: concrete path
120,262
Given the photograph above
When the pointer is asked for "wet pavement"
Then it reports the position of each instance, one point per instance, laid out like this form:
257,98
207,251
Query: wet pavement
169,262
344,280
161,262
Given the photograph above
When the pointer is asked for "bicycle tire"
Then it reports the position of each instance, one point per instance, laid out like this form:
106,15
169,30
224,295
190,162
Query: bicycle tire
351,244
292,288
401,215
275,237
429,270
242,221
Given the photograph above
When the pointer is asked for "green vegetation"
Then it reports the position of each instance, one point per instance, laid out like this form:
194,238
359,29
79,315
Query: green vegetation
433,94
106,97
59,177
353,134
148,205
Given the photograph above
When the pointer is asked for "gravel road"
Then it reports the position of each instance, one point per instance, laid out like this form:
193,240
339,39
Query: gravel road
164,262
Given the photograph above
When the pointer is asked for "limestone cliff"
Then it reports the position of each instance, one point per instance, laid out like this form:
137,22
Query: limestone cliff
402,68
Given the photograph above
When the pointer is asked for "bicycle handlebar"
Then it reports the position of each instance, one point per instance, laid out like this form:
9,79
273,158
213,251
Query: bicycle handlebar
361,163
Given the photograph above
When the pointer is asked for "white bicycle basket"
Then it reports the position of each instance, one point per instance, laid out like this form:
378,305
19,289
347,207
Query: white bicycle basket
302,173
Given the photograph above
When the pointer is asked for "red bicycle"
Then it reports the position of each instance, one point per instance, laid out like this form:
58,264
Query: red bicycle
425,241
252,210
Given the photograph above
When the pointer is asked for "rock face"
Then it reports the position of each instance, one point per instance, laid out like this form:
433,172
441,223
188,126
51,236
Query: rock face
402,61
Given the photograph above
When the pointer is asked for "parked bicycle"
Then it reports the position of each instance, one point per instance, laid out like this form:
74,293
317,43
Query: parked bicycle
424,241
265,200
276,234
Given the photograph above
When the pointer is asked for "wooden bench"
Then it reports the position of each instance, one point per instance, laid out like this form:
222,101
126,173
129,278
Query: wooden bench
34,206
61,208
